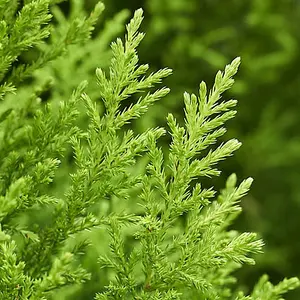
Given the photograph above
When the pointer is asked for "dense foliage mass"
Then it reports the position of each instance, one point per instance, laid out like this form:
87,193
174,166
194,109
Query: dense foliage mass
81,184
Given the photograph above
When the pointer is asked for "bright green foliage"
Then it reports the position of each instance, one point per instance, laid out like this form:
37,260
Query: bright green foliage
158,232
265,290
29,27
197,37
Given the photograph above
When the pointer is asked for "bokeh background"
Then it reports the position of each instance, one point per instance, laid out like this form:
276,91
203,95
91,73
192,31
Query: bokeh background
196,38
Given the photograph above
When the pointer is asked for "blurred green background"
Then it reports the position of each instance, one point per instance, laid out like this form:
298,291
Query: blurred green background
196,38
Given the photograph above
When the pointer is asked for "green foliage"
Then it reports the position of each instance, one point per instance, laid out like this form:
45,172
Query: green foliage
158,233
196,37
30,28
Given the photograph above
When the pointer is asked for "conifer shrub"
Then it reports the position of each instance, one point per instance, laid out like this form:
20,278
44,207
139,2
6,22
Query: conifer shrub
198,37
89,209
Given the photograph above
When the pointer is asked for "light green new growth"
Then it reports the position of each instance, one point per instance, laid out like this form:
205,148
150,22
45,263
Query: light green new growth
172,240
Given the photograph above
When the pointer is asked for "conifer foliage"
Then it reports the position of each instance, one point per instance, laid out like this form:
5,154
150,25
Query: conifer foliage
166,236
